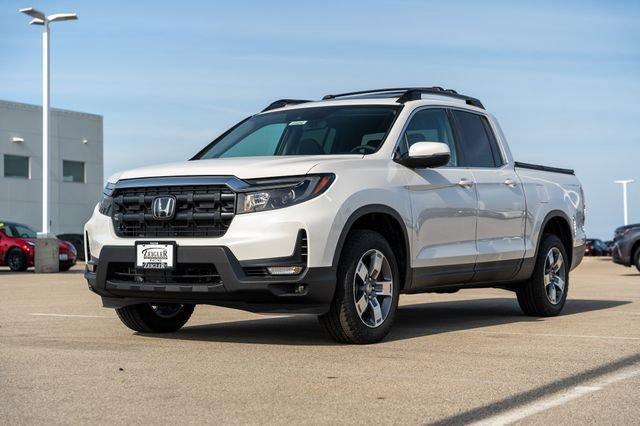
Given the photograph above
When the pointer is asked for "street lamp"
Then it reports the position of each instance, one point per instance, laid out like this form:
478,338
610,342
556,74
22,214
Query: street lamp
624,184
39,18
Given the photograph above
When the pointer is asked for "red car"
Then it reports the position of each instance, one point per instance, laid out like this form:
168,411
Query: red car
17,247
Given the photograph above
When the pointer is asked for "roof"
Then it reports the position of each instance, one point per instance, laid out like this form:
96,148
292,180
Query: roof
32,107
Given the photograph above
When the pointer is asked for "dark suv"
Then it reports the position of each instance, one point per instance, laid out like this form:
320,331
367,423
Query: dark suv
626,248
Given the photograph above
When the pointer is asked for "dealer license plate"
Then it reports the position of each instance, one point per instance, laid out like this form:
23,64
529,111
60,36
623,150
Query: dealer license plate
155,255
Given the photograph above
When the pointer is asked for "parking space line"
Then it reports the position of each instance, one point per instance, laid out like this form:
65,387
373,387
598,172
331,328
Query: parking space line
585,336
556,400
38,314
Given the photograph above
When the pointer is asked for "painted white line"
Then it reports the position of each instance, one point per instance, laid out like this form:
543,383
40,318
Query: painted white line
37,314
556,400
585,336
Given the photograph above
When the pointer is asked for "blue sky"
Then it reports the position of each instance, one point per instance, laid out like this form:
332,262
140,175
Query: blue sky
563,78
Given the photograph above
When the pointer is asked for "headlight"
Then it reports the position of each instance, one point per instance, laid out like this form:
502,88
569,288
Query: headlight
285,192
30,243
105,204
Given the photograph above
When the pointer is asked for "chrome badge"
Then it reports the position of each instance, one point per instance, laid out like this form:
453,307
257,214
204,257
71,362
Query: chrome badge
164,207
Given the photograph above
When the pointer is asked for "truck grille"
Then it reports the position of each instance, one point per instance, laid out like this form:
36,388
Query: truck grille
200,211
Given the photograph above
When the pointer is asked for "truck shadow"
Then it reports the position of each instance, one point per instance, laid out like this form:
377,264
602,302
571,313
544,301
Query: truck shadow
412,321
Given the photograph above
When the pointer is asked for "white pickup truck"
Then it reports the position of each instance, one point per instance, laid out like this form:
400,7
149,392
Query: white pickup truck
335,208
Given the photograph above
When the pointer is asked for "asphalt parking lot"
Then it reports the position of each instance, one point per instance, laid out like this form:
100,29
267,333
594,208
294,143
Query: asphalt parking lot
456,358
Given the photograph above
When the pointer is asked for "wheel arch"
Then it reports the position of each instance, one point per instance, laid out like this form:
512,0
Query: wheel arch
555,222
558,223
364,217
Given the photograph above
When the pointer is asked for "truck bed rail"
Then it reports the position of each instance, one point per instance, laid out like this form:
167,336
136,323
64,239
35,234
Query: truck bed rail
544,168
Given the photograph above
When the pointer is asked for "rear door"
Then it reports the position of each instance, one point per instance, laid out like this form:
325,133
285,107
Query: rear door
443,204
501,202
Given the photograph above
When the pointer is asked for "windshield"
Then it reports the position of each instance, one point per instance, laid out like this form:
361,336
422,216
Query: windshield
17,230
307,131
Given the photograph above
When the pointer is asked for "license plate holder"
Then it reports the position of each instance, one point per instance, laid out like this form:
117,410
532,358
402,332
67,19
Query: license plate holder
155,255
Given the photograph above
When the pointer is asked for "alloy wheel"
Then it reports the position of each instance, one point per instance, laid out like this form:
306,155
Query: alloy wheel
373,288
554,275
14,262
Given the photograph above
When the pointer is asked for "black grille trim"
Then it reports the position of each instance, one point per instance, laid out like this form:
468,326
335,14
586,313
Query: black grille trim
201,211
185,274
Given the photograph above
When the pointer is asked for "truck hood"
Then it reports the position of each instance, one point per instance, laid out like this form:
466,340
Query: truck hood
241,167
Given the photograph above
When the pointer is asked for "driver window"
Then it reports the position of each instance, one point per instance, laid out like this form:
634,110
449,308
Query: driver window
430,125
24,232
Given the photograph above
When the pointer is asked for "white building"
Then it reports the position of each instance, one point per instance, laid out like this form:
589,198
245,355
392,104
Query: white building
75,166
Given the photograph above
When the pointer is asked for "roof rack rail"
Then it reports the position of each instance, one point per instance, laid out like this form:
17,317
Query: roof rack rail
284,102
413,93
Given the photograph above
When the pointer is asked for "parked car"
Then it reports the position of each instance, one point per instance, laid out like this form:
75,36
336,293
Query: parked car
17,248
626,249
334,208
595,247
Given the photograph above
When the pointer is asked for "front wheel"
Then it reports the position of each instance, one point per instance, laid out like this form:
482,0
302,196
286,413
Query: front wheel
367,290
17,260
155,318
636,258
545,293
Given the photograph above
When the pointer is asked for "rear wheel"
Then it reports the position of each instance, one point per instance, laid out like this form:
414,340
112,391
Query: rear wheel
545,293
16,260
155,318
367,290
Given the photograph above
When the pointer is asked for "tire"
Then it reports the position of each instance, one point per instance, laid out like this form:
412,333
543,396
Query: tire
16,260
636,258
148,318
536,297
64,268
370,320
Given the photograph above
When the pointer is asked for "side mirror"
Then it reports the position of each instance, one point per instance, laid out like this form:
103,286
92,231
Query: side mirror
427,154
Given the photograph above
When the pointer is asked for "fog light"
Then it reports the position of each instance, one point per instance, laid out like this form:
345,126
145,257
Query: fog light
285,270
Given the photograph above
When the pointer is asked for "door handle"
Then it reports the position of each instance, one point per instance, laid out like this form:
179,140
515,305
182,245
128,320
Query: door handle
510,183
465,183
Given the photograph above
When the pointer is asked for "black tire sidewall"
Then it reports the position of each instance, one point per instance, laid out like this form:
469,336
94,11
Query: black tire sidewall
142,318
359,243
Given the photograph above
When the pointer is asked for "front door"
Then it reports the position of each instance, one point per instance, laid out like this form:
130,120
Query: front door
443,204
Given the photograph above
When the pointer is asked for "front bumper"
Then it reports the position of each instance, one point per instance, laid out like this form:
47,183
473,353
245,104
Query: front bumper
234,289
578,255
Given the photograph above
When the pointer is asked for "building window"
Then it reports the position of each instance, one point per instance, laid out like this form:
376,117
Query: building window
72,171
16,166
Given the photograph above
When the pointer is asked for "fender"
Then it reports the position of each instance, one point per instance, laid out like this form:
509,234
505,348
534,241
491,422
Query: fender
381,209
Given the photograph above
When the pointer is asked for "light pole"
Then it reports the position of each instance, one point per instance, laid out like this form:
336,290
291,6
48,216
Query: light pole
39,18
624,184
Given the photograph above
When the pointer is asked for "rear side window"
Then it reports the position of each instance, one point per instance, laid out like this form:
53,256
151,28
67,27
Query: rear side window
478,147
